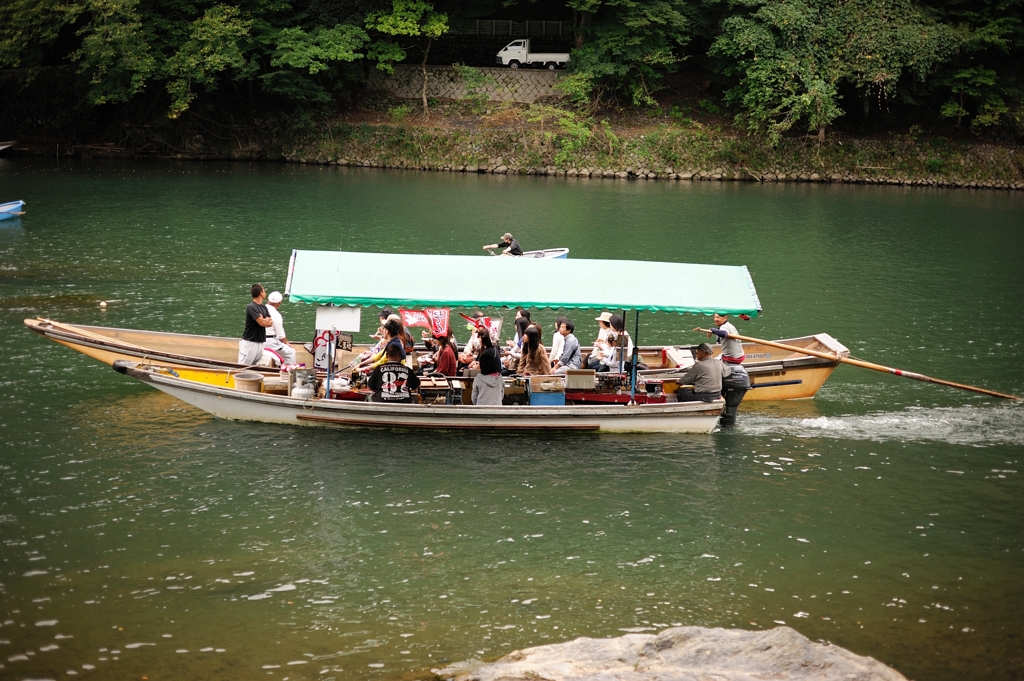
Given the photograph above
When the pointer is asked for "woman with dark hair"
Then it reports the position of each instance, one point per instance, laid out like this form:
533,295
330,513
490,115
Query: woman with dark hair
445,361
534,361
488,385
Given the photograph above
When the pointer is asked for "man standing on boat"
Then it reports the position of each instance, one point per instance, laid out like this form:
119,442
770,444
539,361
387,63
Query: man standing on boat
276,339
510,245
732,348
257,321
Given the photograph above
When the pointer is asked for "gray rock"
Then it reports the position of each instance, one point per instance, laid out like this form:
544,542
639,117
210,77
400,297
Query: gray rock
681,654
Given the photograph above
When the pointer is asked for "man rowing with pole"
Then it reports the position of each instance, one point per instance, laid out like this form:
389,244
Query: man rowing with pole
732,348
510,246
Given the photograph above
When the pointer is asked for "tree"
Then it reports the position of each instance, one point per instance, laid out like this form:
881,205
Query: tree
412,18
628,44
788,58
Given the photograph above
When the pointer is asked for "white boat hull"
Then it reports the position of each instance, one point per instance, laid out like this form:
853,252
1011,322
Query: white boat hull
227,403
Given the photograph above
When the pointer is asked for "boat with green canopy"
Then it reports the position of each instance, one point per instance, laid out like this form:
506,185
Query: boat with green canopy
375,279
336,280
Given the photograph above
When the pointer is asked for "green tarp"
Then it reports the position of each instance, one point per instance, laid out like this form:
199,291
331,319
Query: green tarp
417,281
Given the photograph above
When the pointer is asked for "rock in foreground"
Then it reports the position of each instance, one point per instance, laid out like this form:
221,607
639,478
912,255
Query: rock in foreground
681,654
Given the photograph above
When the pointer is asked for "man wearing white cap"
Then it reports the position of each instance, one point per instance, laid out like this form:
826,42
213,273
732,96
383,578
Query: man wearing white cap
276,339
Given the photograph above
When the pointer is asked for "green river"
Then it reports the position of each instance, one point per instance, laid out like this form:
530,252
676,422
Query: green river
142,538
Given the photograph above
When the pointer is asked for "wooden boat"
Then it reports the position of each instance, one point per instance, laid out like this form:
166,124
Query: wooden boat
11,210
229,403
774,374
349,279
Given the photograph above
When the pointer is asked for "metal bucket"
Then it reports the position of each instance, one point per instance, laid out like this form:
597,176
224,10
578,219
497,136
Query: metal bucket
249,381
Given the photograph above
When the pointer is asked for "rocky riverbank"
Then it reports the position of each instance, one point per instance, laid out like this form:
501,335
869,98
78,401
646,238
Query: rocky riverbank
681,654
690,152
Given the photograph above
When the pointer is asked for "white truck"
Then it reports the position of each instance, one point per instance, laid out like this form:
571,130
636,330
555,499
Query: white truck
517,53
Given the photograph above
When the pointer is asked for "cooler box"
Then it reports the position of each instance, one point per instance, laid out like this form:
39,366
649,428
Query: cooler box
546,391
580,379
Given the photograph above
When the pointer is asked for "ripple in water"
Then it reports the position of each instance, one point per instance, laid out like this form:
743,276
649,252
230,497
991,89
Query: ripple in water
1001,424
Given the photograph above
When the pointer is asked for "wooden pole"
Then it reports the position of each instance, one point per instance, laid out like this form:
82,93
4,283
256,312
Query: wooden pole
868,365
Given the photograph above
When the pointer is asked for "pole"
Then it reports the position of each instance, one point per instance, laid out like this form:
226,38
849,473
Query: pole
632,372
868,365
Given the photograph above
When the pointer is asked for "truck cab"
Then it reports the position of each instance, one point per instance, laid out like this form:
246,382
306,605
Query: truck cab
514,54
517,54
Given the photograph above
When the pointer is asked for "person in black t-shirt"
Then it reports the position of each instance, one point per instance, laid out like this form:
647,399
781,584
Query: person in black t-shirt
257,321
510,246
392,382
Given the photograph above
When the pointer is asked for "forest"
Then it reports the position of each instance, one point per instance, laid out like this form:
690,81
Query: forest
775,67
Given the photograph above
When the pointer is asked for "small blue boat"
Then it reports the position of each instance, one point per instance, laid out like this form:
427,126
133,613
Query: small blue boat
11,210
550,254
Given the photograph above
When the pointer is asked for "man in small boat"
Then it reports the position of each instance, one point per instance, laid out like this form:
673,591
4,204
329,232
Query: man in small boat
276,339
732,348
392,382
705,376
509,245
257,321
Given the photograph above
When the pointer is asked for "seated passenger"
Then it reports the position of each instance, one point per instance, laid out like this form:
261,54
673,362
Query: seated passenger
489,385
534,361
557,339
392,381
706,376
515,346
392,337
593,361
571,358
445,361
473,347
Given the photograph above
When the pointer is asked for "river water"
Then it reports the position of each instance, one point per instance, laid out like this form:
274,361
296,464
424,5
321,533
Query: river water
143,538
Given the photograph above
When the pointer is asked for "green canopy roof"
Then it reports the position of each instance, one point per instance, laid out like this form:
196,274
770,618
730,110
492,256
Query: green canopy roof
416,281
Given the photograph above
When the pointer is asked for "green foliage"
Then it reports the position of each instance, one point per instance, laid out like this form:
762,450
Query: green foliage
314,50
578,86
407,18
114,53
629,44
790,57
399,113
214,44
25,27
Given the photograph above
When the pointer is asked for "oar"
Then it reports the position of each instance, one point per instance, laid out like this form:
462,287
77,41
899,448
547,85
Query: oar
867,365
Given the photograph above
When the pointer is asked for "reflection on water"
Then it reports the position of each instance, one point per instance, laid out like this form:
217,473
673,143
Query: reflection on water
143,538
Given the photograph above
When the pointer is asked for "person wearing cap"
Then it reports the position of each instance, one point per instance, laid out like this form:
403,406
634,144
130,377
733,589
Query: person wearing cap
732,348
705,376
594,359
510,245
276,340
257,321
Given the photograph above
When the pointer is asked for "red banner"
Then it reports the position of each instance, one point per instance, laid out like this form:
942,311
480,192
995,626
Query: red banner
433,318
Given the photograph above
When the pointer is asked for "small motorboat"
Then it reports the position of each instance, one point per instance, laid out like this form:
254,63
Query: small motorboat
4,145
11,210
550,254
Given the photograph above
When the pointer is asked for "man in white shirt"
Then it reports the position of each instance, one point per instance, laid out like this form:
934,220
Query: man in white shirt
276,339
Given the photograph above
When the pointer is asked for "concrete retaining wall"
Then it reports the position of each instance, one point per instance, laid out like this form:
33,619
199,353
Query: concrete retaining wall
510,85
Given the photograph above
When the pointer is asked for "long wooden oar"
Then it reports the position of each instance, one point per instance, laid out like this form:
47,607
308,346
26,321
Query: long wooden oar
868,365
